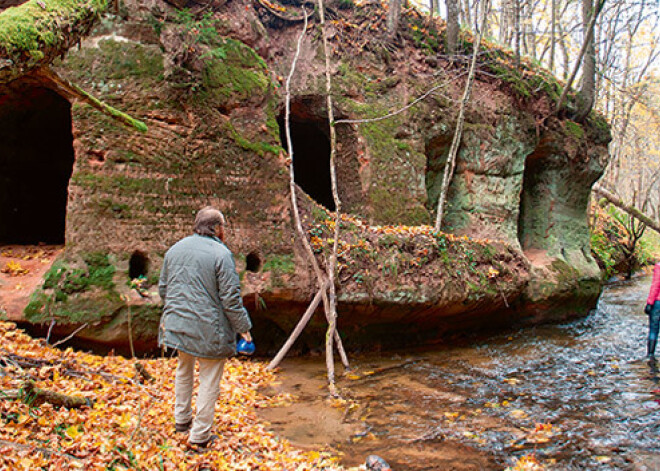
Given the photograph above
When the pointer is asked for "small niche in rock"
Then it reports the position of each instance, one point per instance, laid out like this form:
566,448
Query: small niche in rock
437,153
536,202
138,265
253,262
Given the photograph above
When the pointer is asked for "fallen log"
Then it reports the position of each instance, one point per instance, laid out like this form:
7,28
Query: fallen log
33,34
142,371
36,396
634,212
48,453
70,368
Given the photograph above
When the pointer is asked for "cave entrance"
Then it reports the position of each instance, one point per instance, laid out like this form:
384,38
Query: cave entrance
138,265
36,161
437,154
541,187
528,223
311,158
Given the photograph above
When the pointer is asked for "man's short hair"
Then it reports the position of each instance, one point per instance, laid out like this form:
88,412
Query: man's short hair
206,221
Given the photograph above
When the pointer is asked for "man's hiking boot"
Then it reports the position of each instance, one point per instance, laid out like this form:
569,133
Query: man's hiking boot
205,444
183,428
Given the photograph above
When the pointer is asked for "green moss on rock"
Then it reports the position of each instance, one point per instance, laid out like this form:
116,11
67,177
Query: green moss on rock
38,27
233,72
574,129
75,293
115,60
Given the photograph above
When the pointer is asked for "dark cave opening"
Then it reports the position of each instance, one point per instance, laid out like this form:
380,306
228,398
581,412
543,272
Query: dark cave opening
253,262
138,265
36,162
311,157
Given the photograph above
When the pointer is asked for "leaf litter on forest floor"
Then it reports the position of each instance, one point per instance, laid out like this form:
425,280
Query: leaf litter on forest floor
131,425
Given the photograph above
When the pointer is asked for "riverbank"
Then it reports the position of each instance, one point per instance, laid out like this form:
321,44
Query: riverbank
130,425
577,395
371,419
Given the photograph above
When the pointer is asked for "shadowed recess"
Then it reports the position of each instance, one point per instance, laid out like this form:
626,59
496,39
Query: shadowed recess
311,156
138,265
35,165
253,262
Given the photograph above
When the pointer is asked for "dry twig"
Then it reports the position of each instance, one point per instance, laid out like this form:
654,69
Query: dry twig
71,335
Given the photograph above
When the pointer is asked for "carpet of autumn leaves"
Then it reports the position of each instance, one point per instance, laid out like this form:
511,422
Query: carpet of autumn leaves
130,425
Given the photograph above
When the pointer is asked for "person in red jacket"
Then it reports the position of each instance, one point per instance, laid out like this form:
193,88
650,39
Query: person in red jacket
653,311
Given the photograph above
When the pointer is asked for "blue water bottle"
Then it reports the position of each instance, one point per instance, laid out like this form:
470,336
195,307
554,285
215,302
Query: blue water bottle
244,347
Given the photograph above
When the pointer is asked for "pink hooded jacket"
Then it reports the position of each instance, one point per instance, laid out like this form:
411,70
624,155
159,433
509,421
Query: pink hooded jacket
654,294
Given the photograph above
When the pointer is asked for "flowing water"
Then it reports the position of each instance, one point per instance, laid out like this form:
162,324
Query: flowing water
580,395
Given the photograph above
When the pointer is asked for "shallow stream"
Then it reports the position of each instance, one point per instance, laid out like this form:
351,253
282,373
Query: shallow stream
579,395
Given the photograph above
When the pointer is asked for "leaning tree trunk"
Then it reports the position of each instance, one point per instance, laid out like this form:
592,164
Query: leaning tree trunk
32,35
631,210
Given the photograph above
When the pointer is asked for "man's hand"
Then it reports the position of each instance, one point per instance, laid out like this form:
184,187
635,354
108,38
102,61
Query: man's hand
247,336
648,309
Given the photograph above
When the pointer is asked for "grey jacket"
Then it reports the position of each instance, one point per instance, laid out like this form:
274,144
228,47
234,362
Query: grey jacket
202,295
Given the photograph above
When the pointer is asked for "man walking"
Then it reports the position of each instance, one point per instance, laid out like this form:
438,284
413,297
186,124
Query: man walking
203,312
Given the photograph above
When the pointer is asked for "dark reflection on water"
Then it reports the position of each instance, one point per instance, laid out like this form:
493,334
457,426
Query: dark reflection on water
588,379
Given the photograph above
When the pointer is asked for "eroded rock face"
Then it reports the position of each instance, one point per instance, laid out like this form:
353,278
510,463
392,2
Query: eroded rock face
211,92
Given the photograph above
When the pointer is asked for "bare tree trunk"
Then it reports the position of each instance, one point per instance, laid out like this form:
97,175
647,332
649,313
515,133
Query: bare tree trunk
530,29
504,21
486,32
460,121
393,17
467,18
524,35
452,26
588,89
332,323
516,29
553,35
589,34
564,51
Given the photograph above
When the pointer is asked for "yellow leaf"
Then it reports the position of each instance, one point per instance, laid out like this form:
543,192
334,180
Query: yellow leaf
125,420
518,414
73,432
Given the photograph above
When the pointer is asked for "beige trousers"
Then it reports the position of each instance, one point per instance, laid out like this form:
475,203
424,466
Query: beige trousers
210,374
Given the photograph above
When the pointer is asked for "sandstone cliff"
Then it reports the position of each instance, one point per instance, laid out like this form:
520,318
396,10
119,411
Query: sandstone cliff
207,80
